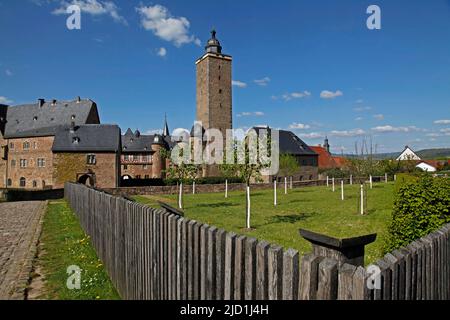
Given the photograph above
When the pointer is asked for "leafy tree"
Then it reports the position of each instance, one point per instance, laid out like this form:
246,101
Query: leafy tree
247,166
288,166
181,172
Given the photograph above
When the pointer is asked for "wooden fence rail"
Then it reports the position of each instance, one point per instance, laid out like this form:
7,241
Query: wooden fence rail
154,254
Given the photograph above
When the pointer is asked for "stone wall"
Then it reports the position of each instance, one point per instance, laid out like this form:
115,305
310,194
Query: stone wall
202,188
70,166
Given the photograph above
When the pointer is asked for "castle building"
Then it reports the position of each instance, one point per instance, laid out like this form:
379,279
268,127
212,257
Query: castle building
46,144
141,156
292,145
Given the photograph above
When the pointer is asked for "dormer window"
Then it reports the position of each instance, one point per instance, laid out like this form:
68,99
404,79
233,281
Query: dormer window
75,140
72,117
35,118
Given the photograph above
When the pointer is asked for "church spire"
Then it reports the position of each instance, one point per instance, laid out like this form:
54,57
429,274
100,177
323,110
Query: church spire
166,131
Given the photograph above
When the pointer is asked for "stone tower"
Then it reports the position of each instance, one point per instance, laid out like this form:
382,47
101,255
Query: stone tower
214,87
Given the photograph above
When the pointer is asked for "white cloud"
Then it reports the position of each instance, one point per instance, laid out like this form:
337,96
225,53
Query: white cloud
442,122
389,128
94,8
379,117
239,84
160,21
299,126
249,114
311,135
4,100
362,109
162,52
325,94
348,133
8,72
295,95
359,118
446,130
359,101
262,82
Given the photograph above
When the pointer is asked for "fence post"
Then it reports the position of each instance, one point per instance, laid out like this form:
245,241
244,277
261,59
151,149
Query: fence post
328,280
239,268
262,270
275,273
230,245
309,277
290,274
345,278
250,269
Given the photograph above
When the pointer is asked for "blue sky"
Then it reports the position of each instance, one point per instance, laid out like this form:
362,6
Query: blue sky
308,66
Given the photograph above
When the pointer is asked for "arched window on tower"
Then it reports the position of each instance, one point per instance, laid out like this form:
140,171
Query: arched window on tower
22,182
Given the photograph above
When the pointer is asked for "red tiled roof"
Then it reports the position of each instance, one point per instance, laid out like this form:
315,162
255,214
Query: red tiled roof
340,161
325,159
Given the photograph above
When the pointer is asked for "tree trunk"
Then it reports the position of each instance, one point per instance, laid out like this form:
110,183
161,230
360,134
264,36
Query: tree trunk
226,188
285,185
180,196
275,193
248,207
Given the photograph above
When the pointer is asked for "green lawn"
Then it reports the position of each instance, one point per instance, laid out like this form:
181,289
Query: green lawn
316,208
63,244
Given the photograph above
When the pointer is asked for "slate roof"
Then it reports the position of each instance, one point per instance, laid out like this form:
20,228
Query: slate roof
137,142
32,120
87,138
290,143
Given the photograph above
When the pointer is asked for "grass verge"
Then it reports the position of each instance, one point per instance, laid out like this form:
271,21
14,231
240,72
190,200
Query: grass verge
64,244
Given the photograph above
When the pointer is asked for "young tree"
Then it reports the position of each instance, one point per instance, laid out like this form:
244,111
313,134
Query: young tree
288,167
180,172
248,165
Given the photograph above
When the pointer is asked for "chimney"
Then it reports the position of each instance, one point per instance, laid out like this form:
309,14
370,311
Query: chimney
53,102
41,102
78,99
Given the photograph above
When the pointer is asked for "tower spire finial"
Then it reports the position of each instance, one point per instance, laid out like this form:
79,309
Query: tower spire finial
213,45
166,127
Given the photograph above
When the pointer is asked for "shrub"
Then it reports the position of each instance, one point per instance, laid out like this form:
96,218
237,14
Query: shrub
421,206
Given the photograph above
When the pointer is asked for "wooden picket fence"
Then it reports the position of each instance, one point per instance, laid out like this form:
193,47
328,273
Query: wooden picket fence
156,254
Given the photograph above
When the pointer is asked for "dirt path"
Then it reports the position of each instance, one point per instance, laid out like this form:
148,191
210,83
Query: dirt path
20,228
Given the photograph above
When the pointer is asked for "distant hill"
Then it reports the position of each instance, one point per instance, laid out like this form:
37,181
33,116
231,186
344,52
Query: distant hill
426,154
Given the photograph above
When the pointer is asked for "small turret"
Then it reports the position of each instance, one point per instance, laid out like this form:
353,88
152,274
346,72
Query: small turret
213,45
326,145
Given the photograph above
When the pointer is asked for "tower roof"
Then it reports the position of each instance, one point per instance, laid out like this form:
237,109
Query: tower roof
213,45
166,131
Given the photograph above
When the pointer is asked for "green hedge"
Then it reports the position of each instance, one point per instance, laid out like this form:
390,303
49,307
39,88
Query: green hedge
421,206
